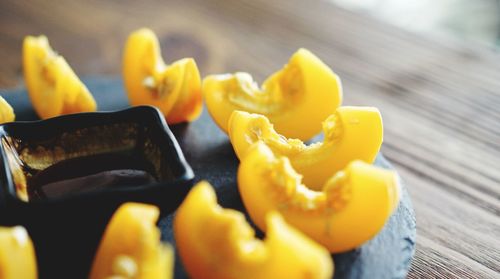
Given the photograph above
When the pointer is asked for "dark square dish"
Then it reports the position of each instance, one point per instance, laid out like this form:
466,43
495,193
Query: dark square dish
35,154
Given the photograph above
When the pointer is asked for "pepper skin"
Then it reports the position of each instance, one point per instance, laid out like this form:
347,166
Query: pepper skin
352,208
53,87
174,89
131,246
351,133
295,99
6,112
214,242
17,256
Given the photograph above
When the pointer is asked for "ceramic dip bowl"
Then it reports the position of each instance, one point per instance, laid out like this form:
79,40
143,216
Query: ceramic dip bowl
65,176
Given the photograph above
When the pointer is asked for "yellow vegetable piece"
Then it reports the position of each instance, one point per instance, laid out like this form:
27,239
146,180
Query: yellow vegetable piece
174,89
351,133
17,256
131,246
296,99
53,87
352,208
6,111
214,242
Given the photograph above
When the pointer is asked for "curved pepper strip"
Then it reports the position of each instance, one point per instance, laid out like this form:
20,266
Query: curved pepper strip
174,89
53,87
352,207
214,242
351,133
6,111
131,246
295,99
17,255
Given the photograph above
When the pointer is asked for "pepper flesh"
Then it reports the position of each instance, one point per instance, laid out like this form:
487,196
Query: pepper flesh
351,133
214,242
174,89
296,99
131,246
6,111
17,255
352,208
53,87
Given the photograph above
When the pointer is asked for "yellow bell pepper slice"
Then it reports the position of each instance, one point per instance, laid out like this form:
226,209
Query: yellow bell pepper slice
53,87
174,89
17,255
352,208
6,111
351,133
296,99
214,242
131,246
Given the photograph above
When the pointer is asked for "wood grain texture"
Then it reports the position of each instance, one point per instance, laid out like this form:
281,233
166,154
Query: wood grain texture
439,100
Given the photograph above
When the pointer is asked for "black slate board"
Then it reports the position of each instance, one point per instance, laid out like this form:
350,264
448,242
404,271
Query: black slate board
211,156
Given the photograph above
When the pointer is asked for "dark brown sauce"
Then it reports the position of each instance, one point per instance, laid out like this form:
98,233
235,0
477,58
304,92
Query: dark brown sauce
90,173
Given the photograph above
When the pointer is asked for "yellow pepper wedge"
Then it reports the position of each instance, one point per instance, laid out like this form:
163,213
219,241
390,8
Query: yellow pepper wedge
174,89
53,87
351,133
352,208
296,99
17,255
214,242
6,111
131,246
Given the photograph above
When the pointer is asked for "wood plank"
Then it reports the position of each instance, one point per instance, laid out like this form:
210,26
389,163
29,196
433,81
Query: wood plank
439,99
435,261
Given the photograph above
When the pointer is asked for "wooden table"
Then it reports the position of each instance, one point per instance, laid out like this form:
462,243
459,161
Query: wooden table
440,101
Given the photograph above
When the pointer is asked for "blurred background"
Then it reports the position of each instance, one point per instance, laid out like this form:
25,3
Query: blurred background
96,30
477,20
